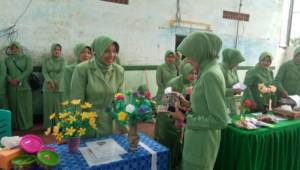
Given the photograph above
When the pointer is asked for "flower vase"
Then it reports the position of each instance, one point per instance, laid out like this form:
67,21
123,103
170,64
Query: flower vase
73,144
133,137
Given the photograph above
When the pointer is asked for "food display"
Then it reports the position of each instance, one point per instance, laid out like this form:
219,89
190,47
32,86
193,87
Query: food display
267,119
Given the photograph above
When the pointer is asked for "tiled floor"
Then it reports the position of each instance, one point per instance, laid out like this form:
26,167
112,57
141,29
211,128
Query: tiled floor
147,128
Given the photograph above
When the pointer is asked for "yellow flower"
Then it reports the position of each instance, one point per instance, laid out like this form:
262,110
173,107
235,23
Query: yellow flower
93,126
81,131
65,103
75,102
59,137
70,131
86,105
56,128
92,115
72,119
92,123
84,115
63,115
122,116
52,116
48,131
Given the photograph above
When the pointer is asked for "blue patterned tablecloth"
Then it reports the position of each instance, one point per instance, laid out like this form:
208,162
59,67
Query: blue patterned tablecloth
138,160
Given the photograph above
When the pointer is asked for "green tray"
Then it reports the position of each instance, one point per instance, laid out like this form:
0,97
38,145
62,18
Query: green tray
47,159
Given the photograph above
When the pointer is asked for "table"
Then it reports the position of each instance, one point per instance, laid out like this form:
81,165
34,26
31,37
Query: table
149,156
276,148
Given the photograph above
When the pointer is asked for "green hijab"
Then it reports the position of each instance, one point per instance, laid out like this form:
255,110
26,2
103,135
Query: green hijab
79,49
201,46
296,51
53,46
264,55
186,69
169,52
99,45
232,56
18,45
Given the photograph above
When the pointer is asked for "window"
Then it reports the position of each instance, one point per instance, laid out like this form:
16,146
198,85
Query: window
118,1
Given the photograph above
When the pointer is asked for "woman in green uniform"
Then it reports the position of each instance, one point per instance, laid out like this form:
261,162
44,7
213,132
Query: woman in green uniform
19,66
165,72
261,73
231,59
288,76
203,126
98,79
3,72
53,87
167,134
82,53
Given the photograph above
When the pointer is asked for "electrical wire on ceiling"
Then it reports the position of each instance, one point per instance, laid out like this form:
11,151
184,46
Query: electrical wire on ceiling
11,32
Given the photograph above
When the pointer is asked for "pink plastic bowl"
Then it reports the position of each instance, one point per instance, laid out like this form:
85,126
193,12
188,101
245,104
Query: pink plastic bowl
31,143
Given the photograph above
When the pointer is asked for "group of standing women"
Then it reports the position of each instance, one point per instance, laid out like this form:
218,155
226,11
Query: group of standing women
95,80
213,96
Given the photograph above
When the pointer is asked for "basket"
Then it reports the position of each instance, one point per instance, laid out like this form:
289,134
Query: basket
286,114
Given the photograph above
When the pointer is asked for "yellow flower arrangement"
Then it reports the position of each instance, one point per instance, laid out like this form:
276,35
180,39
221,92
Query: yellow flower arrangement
73,121
122,116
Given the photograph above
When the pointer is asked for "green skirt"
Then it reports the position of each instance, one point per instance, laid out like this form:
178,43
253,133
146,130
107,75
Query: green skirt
52,103
20,103
169,136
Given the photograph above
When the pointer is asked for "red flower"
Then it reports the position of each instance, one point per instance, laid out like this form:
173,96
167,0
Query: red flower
148,95
190,90
248,103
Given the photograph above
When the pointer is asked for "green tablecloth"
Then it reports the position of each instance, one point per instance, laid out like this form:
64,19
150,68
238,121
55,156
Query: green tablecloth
276,148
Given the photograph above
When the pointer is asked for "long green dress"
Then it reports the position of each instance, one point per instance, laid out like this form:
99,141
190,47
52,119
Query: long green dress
231,57
96,82
254,77
288,76
165,73
53,70
3,72
68,71
20,96
167,133
208,117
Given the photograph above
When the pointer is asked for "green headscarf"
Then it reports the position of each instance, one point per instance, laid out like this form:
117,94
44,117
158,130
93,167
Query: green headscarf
53,46
186,69
265,55
232,56
168,53
201,46
99,45
142,89
296,51
79,49
18,45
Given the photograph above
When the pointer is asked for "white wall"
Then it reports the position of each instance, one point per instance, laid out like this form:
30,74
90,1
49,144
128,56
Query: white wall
141,28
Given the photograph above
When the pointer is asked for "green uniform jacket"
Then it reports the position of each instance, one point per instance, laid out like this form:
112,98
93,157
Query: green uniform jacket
53,69
20,97
231,57
89,84
68,71
288,77
164,74
254,77
2,84
208,117
97,83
